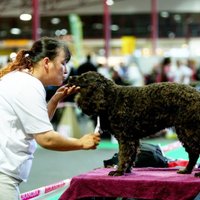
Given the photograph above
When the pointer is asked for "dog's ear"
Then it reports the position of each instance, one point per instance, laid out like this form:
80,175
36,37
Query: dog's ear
92,99
99,98
94,89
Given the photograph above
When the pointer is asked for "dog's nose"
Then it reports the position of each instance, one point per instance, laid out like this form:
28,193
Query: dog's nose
72,80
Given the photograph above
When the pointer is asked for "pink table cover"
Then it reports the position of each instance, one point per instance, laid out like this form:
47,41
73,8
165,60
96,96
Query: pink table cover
144,183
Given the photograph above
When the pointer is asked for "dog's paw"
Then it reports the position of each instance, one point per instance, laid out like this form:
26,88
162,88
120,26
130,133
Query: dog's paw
116,173
197,174
184,171
128,171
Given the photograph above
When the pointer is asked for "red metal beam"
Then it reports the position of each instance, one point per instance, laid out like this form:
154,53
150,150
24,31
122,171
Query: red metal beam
107,33
35,20
154,25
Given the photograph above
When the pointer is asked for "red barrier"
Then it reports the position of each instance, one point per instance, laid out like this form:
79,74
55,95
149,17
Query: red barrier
44,190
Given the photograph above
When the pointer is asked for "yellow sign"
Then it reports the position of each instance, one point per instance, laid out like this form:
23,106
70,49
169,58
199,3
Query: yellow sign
128,45
16,42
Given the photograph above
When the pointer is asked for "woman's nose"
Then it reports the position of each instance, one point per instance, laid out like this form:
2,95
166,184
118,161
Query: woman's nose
65,69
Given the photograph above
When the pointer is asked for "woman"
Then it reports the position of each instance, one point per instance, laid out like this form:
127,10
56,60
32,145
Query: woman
25,115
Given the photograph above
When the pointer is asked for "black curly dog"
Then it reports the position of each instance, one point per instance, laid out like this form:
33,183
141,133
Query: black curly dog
131,113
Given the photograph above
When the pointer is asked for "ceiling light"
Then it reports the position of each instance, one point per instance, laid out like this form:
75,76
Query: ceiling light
164,14
3,33
15,31
114,27
57,32
63,31
97,26
25,17
109,2
171,35
177,18
55,20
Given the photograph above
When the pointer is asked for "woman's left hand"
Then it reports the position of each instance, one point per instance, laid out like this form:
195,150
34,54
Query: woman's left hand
64,91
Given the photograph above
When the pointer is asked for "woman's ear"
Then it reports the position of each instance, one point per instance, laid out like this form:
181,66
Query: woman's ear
46,63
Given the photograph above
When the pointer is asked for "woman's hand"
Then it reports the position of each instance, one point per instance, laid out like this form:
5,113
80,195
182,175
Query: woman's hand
90,141
63,92
55,141
59,95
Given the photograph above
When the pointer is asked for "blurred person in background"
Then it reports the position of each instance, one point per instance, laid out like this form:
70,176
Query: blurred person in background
116,77
123,71
165,74
183,73
25,115
130,73
198,73
135,76
86,66
193,66
104,70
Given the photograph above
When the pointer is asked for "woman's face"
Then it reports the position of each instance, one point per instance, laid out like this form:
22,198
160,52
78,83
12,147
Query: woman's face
57,69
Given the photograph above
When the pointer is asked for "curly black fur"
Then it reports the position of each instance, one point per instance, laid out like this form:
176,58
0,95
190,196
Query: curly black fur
131,113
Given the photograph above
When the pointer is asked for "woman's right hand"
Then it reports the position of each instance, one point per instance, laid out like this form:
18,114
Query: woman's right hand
64,91
90,141
55,141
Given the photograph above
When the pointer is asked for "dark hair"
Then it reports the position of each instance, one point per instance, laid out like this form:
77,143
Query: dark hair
45,47
166,61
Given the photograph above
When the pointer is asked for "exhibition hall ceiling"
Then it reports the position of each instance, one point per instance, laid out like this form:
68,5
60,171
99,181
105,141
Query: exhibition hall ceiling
10,8
176,18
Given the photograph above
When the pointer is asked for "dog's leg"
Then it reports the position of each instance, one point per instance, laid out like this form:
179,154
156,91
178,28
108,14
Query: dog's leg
192,161
127,154
197,174
134,147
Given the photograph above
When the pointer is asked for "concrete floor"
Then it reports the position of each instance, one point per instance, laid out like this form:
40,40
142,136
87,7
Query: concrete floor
50,166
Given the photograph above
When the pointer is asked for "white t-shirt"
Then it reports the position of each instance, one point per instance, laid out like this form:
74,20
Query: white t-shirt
23,112
183,74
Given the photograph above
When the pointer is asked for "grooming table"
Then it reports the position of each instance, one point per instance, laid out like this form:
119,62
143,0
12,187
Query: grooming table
144,183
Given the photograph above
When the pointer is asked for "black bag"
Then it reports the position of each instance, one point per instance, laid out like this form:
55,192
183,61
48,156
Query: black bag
149,155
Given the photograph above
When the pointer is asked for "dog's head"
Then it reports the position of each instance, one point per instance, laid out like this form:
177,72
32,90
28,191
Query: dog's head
92,96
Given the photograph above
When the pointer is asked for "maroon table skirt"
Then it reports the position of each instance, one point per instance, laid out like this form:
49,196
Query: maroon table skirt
144,183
